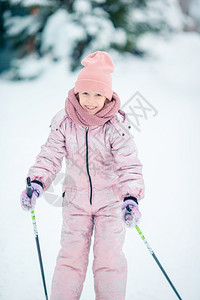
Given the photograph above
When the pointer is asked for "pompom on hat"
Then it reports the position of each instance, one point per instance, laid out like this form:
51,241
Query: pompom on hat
96,74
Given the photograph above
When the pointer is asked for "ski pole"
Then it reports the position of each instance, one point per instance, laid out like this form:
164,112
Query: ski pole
157,261
29,193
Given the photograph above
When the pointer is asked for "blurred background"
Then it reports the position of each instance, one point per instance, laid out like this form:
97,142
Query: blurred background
155,46
35,33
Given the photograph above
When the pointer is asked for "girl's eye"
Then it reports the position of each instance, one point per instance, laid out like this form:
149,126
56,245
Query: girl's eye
99,95
85,93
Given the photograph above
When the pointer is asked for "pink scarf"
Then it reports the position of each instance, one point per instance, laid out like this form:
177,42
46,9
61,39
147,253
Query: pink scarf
81,117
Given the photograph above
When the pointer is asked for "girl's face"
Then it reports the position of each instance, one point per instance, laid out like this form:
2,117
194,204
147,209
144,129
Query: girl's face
91,102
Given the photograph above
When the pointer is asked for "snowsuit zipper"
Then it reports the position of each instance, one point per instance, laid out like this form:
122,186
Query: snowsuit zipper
87,164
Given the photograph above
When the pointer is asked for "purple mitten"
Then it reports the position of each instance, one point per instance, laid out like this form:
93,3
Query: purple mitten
27,203
130,213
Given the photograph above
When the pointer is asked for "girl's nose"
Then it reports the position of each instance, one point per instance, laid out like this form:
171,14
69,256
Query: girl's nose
90,101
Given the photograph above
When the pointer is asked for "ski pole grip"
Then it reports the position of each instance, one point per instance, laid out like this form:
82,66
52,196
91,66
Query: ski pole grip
128,209
28,187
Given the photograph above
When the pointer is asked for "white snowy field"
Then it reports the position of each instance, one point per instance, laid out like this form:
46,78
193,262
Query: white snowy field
169,149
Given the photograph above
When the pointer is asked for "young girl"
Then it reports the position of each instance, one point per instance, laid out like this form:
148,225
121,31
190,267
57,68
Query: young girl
102,187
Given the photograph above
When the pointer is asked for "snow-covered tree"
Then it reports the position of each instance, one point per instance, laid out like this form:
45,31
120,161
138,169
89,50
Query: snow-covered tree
191,8
50,30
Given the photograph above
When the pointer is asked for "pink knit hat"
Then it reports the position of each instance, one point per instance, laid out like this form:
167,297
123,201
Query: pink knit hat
95,76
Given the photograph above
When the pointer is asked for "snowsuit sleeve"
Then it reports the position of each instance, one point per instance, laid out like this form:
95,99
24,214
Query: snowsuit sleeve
49,160
128,166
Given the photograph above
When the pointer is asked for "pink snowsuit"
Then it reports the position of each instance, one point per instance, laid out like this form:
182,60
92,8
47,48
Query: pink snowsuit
102,168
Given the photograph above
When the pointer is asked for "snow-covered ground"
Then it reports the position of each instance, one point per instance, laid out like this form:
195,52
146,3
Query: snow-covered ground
168,146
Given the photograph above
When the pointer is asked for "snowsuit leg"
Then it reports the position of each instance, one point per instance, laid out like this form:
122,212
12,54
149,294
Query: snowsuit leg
72,260
109,265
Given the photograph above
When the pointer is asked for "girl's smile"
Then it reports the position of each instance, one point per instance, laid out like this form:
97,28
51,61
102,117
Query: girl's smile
90,107
91,102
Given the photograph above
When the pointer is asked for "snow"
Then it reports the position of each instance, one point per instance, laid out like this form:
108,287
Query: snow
32,66
60,41
170,11
168,146
31,2
194,10
82,6
18,24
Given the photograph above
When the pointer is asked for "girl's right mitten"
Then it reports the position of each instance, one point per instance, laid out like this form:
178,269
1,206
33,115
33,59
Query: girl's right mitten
27,203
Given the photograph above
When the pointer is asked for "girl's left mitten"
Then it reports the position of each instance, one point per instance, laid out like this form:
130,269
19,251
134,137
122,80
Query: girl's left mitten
28,203
130,213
